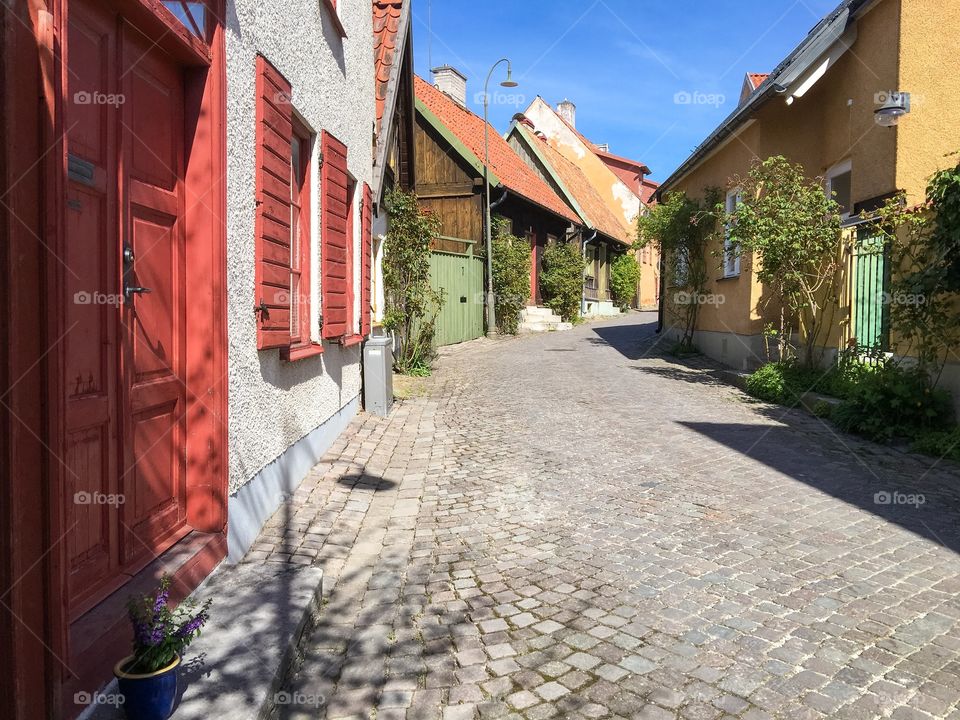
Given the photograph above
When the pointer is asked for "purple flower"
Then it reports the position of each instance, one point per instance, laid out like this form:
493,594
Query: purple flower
194,624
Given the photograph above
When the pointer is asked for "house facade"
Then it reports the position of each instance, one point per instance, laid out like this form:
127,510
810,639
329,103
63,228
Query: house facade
603,235
301,103
621,183
449,170
187,226
817,108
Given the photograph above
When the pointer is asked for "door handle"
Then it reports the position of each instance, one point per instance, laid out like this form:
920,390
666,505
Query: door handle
130,290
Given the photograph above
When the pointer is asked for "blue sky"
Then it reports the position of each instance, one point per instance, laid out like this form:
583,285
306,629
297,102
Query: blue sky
623,62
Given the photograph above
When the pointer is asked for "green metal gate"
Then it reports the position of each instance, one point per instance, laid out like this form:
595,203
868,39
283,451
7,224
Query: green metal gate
459,279
870,290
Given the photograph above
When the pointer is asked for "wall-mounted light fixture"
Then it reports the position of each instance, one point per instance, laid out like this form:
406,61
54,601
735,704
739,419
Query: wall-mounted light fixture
891,106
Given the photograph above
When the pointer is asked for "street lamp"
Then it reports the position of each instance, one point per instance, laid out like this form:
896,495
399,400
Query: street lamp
508,83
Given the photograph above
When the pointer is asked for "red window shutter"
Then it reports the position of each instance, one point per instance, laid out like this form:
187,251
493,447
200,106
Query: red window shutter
335,280
366,251
273,137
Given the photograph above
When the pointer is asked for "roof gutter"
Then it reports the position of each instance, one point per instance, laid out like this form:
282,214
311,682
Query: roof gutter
791,78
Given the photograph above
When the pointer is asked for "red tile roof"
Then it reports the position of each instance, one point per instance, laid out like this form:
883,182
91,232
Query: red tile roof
598,213
756,79
512,171
386,24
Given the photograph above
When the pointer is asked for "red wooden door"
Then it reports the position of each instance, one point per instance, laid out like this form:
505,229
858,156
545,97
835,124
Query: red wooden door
125,351
152,476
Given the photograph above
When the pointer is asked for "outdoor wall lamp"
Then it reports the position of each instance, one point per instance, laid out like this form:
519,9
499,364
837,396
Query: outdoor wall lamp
891,107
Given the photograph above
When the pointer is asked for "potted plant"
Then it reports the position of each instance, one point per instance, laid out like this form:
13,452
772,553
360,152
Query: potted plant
147,679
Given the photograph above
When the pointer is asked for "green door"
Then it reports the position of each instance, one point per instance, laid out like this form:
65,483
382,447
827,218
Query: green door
459,279
871,283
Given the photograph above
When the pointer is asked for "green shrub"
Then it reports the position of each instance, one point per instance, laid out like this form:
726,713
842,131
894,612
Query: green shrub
511,276
624,276
891,401
822,409
561,279
939,443
412,305
783,382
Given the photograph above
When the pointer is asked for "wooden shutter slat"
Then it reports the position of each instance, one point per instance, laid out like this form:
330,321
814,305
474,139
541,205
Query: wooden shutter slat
334,255
366,251
274,131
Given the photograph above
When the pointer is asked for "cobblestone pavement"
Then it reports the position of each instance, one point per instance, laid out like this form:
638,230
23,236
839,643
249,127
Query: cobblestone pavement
572,526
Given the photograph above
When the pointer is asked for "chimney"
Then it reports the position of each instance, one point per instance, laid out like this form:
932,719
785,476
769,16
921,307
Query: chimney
451,81
603,147
568,111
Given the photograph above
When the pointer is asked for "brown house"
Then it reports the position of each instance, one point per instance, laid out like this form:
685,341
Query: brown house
449,169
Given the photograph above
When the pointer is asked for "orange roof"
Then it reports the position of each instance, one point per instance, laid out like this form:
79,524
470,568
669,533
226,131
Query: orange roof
386,25
597,212
512,171
756,79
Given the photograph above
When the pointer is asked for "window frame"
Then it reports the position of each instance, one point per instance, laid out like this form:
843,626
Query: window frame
841,168
731,248
301,210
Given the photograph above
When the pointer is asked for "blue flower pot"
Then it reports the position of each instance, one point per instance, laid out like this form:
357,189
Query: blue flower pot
148,696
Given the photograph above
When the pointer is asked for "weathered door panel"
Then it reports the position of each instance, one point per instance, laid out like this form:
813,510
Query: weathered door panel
870,286
90,309
459,279
153,477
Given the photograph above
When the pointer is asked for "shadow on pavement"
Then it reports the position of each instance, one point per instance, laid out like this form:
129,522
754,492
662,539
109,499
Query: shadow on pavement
922,501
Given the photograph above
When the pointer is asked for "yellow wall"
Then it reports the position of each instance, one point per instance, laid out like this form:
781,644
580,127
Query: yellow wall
833,122
930,70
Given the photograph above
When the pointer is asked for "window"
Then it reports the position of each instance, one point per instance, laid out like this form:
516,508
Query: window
300,212
840,186
731,249
337,245
192,15
284,289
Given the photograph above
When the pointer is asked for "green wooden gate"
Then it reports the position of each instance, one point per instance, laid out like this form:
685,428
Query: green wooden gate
459,279
870,287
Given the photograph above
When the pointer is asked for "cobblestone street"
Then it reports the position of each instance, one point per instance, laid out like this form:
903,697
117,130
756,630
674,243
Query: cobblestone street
573,525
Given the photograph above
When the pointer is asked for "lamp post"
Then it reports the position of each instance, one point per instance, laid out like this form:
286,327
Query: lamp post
510,83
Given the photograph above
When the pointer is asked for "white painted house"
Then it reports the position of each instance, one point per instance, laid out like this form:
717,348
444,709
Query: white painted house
300,116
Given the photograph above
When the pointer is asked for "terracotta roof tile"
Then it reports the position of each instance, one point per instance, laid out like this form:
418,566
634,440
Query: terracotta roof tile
512,171
597,212
386,23
756,79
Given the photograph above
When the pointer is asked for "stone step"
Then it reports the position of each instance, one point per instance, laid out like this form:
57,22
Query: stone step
538,314
257,620
537,326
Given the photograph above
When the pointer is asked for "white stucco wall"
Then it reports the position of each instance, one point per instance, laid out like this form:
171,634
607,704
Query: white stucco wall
273,403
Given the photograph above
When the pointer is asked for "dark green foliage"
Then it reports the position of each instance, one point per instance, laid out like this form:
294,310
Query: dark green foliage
561,279
793,230
894,402
511,275
939,443
924,247
944,193
681,228
784,382
624,276
412,305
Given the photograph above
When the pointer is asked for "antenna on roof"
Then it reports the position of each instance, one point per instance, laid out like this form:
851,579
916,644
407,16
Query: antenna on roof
429,33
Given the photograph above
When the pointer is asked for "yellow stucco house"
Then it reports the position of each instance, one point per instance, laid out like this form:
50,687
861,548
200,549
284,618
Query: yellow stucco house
819,108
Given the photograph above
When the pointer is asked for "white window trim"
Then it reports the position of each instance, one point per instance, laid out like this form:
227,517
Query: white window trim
731,250
839,169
